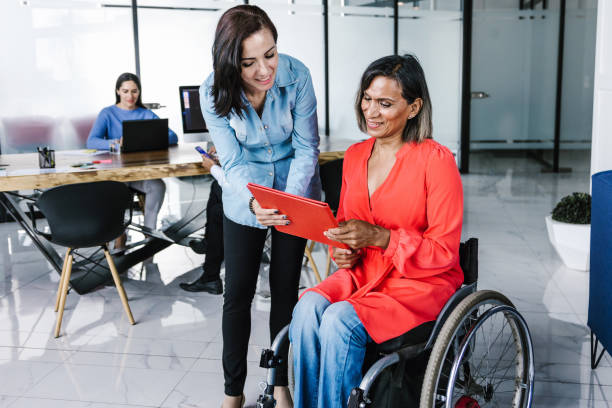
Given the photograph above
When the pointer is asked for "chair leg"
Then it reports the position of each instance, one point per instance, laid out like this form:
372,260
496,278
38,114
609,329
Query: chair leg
119,286
64,292
61,282
308,253
328,264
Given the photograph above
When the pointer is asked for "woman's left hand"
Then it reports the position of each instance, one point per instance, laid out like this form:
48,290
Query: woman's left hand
208,163
269,216
359,234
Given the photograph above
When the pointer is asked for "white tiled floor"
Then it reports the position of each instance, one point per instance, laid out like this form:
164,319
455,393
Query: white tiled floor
171,357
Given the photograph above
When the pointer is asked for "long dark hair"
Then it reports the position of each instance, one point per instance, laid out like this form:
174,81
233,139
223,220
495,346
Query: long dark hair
409,75
127,76
235,25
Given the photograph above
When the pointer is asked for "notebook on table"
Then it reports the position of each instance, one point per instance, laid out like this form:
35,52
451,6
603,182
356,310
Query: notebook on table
145,134
309,218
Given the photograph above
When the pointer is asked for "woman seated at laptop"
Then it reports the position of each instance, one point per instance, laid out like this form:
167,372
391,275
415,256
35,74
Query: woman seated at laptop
108,129
401,209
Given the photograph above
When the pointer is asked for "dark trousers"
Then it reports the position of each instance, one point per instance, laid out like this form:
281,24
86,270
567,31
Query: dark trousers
243,249
213,235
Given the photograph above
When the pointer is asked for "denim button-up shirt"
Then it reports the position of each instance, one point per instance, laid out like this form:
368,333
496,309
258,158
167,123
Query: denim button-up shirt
278,150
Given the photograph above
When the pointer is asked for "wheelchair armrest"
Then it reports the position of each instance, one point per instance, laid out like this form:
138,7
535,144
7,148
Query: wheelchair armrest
452,303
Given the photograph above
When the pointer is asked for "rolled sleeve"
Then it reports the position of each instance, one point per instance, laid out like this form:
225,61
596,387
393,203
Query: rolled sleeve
97,138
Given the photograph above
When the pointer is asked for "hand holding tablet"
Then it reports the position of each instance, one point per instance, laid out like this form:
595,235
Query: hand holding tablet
309,218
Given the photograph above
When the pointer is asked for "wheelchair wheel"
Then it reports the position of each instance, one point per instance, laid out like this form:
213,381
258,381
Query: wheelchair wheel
483,354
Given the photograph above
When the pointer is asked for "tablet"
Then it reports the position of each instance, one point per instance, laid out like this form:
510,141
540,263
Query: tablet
309,218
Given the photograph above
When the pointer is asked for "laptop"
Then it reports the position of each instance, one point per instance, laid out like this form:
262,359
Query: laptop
143,135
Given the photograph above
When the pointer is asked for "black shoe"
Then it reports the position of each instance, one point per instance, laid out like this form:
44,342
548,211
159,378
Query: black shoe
198,245
215,287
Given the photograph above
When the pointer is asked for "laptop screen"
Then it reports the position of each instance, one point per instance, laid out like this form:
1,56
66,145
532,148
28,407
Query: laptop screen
191,113
144,134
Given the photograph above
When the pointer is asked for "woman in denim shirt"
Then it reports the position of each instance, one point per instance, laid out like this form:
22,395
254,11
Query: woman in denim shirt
261,113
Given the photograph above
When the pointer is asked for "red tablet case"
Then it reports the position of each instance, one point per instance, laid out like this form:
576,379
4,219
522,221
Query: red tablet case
309,218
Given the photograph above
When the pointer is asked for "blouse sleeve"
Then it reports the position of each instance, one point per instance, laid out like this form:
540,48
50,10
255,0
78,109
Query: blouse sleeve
437,249
98,136
230,151
340,213
304,139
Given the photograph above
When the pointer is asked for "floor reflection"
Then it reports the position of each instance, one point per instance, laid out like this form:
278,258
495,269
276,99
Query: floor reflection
171,357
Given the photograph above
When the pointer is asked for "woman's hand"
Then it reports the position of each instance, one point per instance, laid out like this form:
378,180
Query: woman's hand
359,234
346,258
208,163
269,216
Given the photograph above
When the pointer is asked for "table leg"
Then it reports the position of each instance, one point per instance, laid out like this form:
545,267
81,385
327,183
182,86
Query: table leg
11,204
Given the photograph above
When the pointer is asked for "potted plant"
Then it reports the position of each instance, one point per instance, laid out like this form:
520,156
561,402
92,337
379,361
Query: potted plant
569,230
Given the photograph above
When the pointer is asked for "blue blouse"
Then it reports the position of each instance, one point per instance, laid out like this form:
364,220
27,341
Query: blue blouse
278,150
109,126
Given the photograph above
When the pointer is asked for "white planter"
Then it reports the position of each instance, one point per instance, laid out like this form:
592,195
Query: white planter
571,241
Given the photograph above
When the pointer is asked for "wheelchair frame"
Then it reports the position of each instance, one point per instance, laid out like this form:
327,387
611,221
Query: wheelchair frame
358,398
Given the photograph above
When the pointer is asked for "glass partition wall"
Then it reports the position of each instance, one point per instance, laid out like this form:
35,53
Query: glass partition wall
60,61
432,32
513,76
64,56
531,73
578,74
76,48
359,33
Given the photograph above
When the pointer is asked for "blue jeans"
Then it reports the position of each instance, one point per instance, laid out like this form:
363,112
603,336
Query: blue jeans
329,343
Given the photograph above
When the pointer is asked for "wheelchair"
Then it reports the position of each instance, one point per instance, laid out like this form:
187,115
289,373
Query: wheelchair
480,352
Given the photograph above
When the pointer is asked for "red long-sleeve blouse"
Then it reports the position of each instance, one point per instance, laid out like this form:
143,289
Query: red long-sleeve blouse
421,203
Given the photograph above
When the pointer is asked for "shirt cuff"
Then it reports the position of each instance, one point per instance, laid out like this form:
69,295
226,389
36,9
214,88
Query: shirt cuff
217,172
393,243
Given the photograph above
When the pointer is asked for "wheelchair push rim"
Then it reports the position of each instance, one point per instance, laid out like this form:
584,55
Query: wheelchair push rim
470,360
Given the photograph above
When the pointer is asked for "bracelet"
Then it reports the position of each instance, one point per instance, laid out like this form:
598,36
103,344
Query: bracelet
251,205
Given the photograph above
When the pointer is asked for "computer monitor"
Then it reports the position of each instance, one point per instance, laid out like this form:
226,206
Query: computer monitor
191,113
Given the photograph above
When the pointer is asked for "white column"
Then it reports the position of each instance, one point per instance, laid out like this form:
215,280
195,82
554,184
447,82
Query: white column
601,148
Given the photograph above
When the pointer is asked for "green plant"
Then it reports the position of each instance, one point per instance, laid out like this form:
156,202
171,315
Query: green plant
573,209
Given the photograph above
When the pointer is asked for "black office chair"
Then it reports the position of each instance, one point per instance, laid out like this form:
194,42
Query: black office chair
331,183
81,216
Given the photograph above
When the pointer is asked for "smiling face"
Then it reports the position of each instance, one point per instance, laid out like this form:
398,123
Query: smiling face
128,95
385,110
258,62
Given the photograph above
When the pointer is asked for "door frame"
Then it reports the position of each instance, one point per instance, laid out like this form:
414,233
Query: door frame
466,83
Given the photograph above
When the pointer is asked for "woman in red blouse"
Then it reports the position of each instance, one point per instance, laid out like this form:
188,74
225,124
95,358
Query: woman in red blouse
401,210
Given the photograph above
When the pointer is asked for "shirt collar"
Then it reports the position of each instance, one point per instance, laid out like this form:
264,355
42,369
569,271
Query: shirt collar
284,74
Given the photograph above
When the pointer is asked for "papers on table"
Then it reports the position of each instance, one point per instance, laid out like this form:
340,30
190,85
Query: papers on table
34,171
81,152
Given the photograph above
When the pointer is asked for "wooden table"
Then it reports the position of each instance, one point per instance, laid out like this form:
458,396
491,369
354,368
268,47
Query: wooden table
22,173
